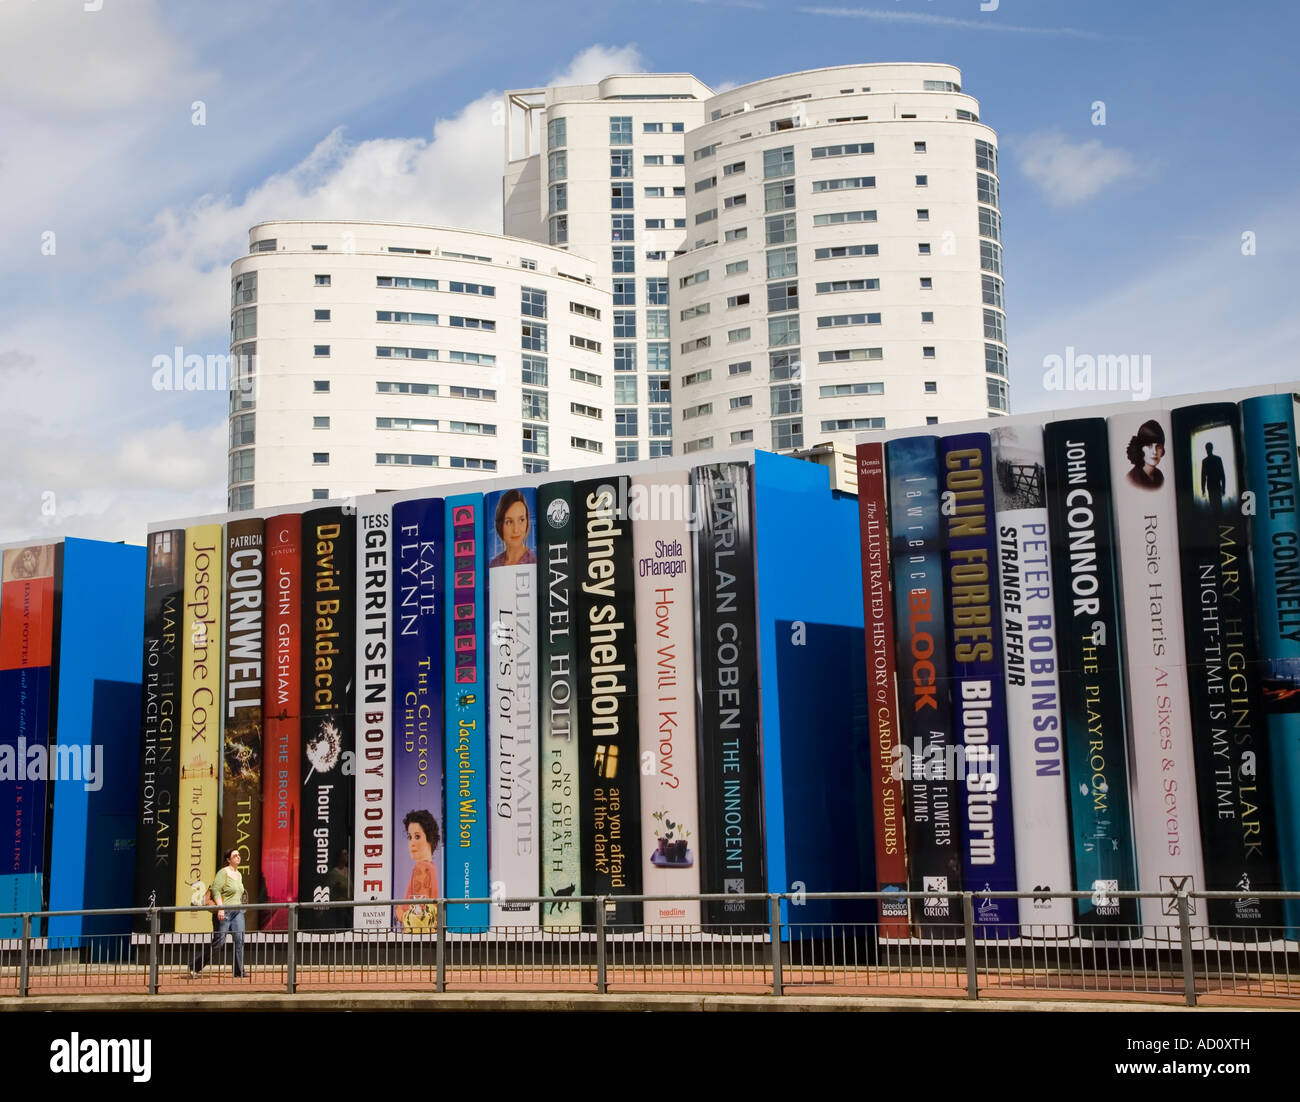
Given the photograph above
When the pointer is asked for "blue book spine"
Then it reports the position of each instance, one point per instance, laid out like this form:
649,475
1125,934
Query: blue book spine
466,726
1269,424
928,751
419,624
978,687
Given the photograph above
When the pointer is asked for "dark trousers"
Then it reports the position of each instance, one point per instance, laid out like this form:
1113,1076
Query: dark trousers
232,924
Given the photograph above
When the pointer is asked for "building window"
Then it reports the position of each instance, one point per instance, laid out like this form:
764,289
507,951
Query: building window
931,387
620,164
320,459
658,356
620,130
584,343
843,355
778,162
840,217
620,196
625,292
536,440
701,445
556,133
654,193
580,376
624,357
787,434
733,168
626,451
782,296
737,300
534,371
487,359
559,199
406,283
834,286
404,459
557,166
742,401
528,265
692,412
536,466
656,223
733,201
986,156
266,245
656,291
835,321
778,195
320,350
986,189
780,229
927,317
243,325
652,128
932,420
625,422
486,325
533,336
460,461
991,257
695,345
787,398
784,365
656,323
624,259
406,317
743,367
695,311
322,280
922,214
535,405
625,323
583,310
705,151
991,290
658,450
739,234
659,389
998,394
320,386
994,326
582,444
782,262
316,423
845,390
990,223
850,424
706,183
661,422
242,465
849,149
742,436
783,331
735,335
407,424
923,248
656,254
927,283
706,216
322,494
557,230
927,352
844,183
472,428
625,390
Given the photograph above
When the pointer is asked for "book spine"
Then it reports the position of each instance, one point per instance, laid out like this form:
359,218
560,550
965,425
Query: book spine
979,695
660,509
155,852
1266,766
418,626
282,737
882,712
726,677
27,622
1034,740
1163,776
200,724
1092,681
927,753
242,745
511,547
561,866
466,672
372,827
328,756
607,698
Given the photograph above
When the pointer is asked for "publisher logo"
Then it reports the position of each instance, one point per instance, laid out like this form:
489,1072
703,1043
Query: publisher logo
1103,897
557,513
935,905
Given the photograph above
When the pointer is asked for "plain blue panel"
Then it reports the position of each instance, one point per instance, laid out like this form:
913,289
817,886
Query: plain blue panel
100,644
810,572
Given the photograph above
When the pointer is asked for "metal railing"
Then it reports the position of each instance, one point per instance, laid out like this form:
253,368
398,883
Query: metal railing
796,950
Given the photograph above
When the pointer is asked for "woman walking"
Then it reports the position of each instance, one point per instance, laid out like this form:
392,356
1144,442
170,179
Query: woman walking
226,894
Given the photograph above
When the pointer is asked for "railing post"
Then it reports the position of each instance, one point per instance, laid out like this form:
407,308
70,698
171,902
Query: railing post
601,986
25,960
1185,936
968,920
155,927
774,931
291,951
441,984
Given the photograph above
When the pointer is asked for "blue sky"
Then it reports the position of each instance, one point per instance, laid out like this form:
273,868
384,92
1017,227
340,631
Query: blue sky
1125,237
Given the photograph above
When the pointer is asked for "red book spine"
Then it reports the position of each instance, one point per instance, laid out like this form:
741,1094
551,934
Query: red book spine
281,784
886,784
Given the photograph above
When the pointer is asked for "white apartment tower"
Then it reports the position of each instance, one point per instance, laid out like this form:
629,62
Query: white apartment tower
376,356
609,184
844,267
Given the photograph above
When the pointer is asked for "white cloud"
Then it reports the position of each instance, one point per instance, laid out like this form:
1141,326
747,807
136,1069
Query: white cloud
994,24
452,178
1068,172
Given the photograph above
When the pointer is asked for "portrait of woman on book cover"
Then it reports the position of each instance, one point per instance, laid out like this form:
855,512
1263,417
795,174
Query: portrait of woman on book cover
1145,451
421,841
514,526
